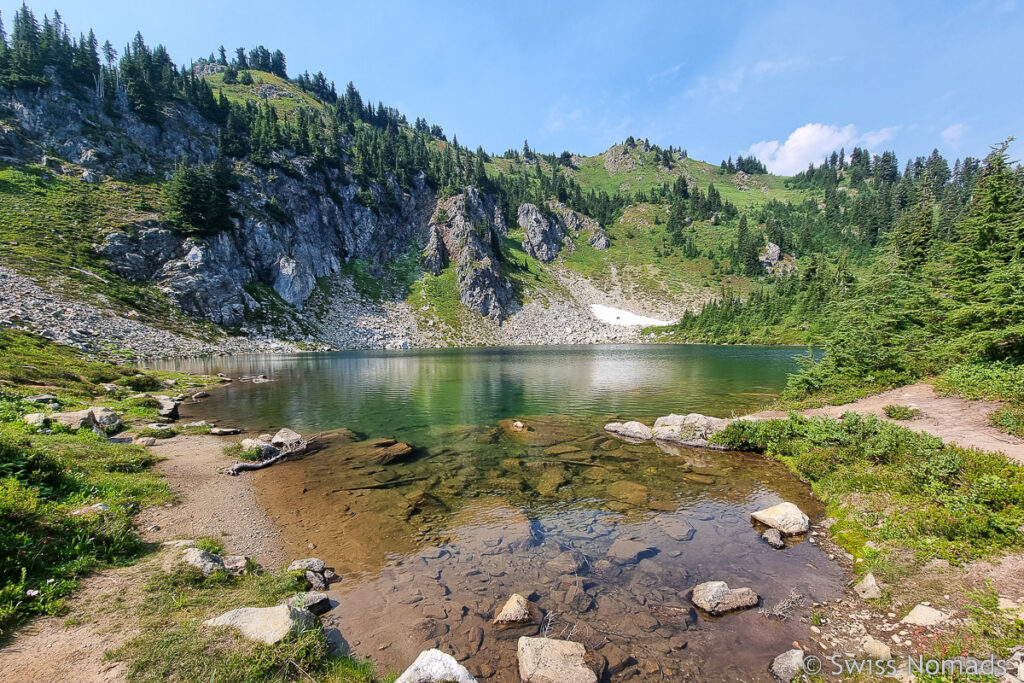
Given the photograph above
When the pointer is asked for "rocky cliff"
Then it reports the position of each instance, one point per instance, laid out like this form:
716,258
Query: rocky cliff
546,235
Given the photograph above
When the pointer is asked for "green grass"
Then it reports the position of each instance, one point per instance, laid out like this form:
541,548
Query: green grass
914,497
47,475
901,412
174,645
288,96
441,293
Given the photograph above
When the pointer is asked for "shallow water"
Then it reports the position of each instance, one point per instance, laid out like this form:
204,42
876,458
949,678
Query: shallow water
607,537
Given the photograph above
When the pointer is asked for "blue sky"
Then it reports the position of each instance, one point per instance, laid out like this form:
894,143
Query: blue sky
786,80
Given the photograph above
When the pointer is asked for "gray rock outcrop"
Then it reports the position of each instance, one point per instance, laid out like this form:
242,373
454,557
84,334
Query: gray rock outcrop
463,231
544,236
630,430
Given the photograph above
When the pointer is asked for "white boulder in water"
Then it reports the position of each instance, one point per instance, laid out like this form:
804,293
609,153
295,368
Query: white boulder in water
786,517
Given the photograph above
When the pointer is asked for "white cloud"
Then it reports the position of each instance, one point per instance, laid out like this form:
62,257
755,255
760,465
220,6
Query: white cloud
771,67
811,143
665,74
952,134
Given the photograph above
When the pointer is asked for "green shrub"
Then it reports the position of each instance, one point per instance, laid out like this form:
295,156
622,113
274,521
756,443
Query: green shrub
895,412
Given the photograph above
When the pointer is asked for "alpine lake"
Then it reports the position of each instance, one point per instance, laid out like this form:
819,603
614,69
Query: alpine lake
607,537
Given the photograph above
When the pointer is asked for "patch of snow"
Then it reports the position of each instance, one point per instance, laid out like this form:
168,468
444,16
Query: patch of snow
617,316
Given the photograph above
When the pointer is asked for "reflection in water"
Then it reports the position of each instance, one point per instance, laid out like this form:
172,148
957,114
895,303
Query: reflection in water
607,537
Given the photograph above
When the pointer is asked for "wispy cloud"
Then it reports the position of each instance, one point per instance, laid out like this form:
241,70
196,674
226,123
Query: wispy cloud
811,142
773,67
731,81
952,134
665,74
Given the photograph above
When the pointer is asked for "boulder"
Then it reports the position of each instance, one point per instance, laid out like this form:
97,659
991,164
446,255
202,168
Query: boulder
37,420
316,602
434,666
269,625
236,565
546,660
786,517
286,438
788,665
79,419
923,615
868,587
41,398
105,418
202,560
715,597
875,649
692,429
773,538
168,408
264,449
630,430
196,425
309,564
145,441
517,610
224,431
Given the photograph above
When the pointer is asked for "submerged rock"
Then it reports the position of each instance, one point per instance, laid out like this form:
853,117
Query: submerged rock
630,430
677,528
715,597
269,625
773,538
786,517
628,551
434,666
546,660
516,610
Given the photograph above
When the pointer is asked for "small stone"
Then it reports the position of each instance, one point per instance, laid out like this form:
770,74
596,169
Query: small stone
517,610
202,560
316,602
773,537
715,597
286,438
311,563
868,587
224,431
236,565
786,666
316,580
145,441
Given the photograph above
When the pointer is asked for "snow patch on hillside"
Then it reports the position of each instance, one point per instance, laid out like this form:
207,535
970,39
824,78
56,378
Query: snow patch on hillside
617,316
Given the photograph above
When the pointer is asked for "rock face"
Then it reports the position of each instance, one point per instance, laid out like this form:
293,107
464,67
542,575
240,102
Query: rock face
786,517
269,625
546,660
434,666
463,232
786,666
545,237
630,430
693,429
715,597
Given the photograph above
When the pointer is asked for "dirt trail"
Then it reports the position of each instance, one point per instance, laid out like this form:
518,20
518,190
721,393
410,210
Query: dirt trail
70,648
955,420
211,504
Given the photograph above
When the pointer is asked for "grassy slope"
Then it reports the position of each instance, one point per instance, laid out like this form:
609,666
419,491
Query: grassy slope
286,96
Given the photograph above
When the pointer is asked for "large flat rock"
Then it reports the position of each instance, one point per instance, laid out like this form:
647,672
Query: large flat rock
269,625
546,660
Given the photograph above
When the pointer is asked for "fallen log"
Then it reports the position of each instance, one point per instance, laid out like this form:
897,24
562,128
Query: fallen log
299,448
